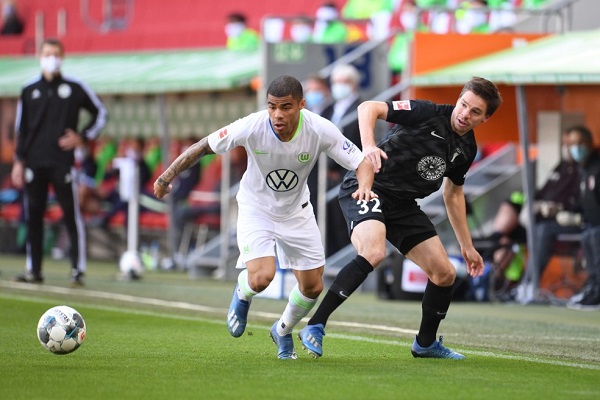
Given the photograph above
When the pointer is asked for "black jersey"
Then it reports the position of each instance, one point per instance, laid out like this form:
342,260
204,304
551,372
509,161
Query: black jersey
422,149
562,186
45,110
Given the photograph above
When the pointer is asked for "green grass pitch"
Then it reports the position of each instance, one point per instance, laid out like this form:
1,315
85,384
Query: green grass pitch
165,337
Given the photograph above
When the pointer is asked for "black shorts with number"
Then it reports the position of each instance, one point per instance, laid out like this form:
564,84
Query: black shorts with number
406,224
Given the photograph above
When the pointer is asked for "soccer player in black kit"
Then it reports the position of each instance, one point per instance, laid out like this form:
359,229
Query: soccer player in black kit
430,144
46,125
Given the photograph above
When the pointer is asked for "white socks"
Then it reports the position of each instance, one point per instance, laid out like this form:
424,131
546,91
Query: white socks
297,308
244,290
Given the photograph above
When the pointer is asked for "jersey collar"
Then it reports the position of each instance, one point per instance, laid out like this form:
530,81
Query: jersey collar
300,123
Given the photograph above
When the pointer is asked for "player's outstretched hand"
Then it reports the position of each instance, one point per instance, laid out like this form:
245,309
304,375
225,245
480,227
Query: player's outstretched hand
160,190
474,261
374,154
365,194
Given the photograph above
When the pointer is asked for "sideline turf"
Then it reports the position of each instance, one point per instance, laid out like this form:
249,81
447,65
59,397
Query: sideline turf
132,354
137,350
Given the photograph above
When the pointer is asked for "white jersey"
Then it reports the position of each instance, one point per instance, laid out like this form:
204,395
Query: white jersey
275,179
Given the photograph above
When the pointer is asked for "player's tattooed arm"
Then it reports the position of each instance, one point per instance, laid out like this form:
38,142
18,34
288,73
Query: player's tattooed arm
187,159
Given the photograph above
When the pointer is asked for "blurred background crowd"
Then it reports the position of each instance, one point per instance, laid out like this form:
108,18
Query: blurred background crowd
146,60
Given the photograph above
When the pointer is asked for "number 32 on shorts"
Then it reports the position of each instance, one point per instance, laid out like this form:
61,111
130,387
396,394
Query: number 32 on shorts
364,206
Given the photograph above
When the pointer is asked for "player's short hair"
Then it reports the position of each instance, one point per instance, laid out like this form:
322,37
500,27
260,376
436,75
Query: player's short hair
53,42
486,90
585,133
286,85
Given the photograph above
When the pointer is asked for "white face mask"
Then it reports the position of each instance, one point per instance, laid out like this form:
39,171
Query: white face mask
300,33
408,19
340,91
50,64
133,154
234,29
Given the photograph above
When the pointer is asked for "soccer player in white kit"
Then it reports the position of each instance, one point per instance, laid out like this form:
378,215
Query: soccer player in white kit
276,223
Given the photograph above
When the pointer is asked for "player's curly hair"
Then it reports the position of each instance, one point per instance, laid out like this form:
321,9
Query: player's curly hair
486,90
286,85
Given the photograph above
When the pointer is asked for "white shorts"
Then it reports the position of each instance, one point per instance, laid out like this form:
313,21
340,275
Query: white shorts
295,242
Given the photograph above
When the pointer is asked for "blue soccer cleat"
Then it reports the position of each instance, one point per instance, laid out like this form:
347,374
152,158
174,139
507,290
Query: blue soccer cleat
436,350
312,339
285,344
237,315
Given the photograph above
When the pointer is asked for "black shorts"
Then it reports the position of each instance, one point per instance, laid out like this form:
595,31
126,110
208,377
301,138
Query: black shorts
406,224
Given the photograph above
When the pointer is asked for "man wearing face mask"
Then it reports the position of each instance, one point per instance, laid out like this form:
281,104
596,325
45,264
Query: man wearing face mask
318,95
47,125
345,86
581,147
239,36
301,30
328,27
559,192
398,55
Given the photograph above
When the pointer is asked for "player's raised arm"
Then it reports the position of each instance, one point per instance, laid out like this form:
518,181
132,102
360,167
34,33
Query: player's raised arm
368,114
187,159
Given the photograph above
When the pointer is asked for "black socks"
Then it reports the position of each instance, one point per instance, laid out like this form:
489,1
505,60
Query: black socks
346,282
436,302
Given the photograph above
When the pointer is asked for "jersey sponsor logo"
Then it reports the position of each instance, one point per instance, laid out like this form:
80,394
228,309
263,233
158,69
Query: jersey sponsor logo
64,91
401,105
431,168
282,180
36,94
222,133
436,135
260,152
304,157
348,147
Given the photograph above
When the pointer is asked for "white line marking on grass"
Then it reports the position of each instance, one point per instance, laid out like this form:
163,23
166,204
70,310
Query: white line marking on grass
220,311
475,352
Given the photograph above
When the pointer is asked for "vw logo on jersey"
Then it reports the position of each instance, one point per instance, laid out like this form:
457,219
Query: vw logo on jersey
431,168
282,180
64,90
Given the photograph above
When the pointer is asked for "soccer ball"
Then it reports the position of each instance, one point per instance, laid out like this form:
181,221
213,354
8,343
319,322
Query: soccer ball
131,265
61,330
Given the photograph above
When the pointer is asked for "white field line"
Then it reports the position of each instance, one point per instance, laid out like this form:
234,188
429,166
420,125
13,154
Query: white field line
220,311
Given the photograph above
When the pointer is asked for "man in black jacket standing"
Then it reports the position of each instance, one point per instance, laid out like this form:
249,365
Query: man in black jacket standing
345,90
47,123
